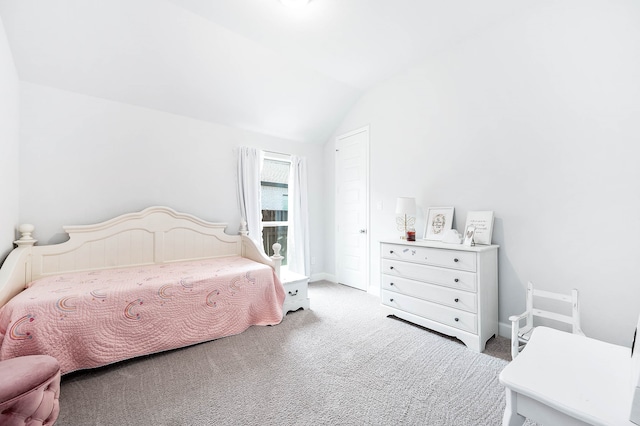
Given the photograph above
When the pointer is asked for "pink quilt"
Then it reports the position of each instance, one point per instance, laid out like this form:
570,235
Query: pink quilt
90,319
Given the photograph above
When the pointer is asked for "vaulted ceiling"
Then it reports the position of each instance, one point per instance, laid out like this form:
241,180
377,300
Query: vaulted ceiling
251,64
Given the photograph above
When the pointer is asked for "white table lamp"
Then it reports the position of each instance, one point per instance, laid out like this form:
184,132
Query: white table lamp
405,214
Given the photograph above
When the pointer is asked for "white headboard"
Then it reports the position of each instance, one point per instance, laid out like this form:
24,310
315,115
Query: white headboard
154,235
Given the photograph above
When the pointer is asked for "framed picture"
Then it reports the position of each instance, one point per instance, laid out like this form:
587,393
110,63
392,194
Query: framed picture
439,221
468,235
483,223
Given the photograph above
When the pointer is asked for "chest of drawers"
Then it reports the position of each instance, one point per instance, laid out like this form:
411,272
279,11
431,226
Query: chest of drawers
452,289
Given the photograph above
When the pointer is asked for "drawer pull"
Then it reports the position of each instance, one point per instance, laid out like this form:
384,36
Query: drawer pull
293,294
390,283
456,260
456,300
456,280
390,251
390,300
390,267
457,319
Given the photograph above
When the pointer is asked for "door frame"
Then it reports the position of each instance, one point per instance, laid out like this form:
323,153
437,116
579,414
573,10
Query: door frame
367,255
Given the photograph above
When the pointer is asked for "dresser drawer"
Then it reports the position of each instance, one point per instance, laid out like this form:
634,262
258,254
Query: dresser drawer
431,274
445,296
452,317
295,290
454,259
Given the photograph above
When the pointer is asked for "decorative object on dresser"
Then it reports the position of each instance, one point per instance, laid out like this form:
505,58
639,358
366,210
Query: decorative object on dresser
439,220
405,215
452,236
469,235
482,221
450,289
296,288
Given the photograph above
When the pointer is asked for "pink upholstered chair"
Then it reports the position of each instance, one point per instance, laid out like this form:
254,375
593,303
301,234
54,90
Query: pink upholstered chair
29,390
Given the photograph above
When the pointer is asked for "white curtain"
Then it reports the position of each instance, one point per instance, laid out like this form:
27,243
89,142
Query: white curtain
298,234
249,164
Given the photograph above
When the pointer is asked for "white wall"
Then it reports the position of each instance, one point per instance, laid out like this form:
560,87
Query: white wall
87,159
9,146
537,119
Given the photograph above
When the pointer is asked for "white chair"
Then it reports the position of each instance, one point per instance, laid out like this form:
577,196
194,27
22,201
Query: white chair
520,335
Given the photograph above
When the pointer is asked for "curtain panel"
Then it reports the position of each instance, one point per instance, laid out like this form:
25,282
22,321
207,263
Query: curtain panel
249,165
298,236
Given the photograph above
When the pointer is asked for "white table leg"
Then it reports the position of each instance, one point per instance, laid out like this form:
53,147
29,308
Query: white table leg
511,416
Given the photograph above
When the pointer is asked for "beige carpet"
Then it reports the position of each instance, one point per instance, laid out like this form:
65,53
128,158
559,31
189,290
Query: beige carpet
339,363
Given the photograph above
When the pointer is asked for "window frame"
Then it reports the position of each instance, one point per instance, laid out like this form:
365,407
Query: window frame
285,158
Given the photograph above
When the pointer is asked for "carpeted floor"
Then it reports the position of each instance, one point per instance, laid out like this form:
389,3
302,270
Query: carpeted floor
339,363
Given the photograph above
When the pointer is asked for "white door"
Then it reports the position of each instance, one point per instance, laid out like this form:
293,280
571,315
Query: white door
352,209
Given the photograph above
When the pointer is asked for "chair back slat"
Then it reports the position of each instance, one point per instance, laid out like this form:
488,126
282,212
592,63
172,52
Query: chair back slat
553,316
554,296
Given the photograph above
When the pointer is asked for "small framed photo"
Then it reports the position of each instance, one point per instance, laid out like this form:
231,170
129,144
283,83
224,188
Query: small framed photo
439,221
469,233
483,223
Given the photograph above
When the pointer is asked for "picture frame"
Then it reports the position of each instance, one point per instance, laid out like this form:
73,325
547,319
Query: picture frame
439,221
483,223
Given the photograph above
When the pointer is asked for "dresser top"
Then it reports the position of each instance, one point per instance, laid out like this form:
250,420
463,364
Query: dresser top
440,245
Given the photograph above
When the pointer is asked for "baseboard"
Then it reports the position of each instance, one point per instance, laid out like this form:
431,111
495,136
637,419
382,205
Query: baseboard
323,276
504,330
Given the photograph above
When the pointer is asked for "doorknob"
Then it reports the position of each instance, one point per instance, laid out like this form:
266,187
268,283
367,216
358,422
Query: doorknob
363,231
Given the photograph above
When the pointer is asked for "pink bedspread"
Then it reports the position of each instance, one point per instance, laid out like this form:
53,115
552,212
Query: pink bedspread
90,319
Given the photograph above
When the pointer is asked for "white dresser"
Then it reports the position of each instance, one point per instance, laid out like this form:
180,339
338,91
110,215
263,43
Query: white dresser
449,288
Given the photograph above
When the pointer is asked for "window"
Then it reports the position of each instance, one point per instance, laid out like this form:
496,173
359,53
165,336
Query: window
274,187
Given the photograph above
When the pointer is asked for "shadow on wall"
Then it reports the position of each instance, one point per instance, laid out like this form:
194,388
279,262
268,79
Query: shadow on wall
5,253
3,256
511,290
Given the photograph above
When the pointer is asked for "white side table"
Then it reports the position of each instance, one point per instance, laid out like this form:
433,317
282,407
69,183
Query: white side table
296,288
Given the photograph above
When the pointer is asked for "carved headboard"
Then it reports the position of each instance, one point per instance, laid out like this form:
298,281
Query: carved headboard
154,235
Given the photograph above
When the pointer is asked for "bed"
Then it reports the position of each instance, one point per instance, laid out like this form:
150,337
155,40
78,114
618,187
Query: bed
137,284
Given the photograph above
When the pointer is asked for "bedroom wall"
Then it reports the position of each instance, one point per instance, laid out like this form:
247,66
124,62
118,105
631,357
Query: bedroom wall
538,119
9,146
87,159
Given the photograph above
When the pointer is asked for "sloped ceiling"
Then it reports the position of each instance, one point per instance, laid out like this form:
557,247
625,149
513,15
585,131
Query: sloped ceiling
251,64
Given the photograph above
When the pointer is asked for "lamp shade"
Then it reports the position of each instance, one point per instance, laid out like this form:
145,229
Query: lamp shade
406,206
